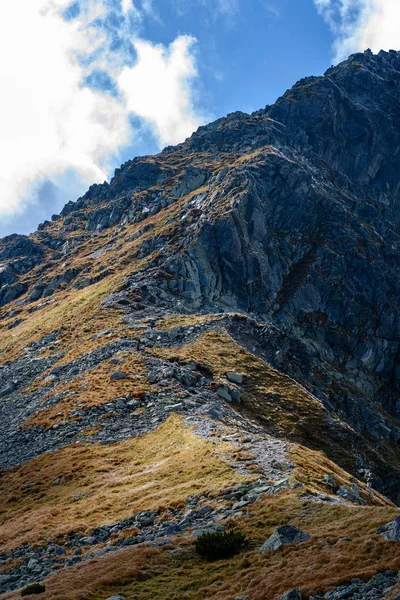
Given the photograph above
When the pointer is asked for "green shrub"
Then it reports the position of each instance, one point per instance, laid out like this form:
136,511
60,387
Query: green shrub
214,546
33,588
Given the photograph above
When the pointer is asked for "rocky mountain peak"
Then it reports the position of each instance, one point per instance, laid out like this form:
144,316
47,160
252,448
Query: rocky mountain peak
211,341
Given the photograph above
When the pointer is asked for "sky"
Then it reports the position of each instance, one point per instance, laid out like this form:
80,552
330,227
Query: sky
89,84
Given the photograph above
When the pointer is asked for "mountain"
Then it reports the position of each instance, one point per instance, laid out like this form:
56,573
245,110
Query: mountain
211,341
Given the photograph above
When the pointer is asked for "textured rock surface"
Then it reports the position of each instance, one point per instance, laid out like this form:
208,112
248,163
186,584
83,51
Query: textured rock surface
375,589
391,531
246,280
287,534
292,595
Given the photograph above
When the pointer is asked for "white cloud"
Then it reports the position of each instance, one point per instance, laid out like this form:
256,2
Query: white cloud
53,128
164,99
127,5
361,24
148,9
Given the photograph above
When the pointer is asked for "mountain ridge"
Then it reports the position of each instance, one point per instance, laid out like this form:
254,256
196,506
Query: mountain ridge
239,286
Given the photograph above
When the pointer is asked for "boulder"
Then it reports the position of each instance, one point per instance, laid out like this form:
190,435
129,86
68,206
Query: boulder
235,395
229,394
235,377
117,376
293,594
11,292
223,392
192,179
286,534
16,246
350,492
390,531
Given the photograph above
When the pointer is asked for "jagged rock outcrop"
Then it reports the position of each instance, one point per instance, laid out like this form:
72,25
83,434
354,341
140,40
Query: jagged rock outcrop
211,341
289,215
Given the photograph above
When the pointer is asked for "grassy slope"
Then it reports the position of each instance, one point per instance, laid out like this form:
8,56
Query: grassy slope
325,561
157,470
271,398
167,466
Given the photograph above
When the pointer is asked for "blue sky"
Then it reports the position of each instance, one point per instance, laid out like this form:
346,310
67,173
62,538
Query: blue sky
248,57
248,53
92,83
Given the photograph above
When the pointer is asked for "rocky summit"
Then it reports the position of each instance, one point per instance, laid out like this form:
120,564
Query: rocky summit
200,363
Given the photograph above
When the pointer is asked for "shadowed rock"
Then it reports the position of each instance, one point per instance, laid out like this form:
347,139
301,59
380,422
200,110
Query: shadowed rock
292,595
391,531
286,534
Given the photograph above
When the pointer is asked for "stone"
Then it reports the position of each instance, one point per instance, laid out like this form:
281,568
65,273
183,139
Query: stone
33,565
192,179
7,276
197,532
390,531
117,376
350,492
172,407
330,480
239,505
235,377
223,392
286,534
7,389
293,594
236,396
120,404
88,541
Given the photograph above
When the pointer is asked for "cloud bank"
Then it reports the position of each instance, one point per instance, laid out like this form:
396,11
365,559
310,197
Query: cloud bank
361,24
73,75
165,98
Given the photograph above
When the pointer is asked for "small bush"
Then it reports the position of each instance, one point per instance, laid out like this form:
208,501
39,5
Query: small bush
33,588
214,546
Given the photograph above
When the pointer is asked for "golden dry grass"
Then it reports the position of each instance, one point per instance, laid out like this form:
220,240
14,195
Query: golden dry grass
158,469
74,313
77,311
171,321
278,399
284,407
315,566
311,466
95,388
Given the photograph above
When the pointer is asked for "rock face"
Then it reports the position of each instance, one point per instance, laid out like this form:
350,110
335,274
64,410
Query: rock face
308,238
323,262
289,216
244,286
287,534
